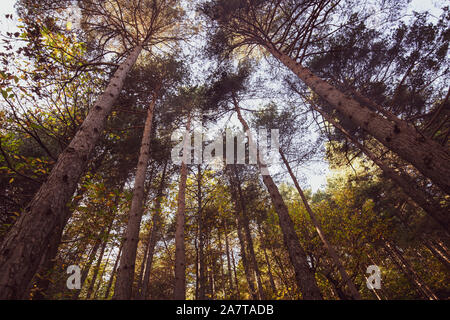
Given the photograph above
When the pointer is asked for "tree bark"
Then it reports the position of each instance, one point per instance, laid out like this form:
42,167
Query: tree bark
23,247
125,274
180,250
305,278
422,152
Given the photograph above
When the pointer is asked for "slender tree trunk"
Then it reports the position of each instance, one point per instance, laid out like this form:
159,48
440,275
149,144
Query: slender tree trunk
154,235
227,249
409,187
236,280
180,250
99,260
406,267
269,271
248,236
125,274
337,288
104,238
222,272
138,293
266,257
304,276
422,152
87,266
201,238
97,288
283,276
239,223
437,252
333,254
197,266
26,243
96,269
113,272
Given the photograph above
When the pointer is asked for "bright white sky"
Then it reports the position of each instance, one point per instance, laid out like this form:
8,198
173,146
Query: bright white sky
315,178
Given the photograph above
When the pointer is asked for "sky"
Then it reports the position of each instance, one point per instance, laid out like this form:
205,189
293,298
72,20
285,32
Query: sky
315,175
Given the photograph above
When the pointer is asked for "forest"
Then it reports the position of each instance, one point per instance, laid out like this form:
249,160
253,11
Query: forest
225,150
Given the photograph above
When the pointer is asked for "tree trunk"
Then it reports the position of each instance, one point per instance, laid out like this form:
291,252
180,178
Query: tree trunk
333,254
104,239
97,288
125,274
138,293
283,276
227,249
437,252
304,276
96,269
222,272
154,235
266,257
87,266
180,250
113,272
248,236
23,247
422,152
239,223
201,239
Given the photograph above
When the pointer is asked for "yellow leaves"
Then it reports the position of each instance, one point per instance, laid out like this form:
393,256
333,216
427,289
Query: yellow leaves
11,180
69,26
